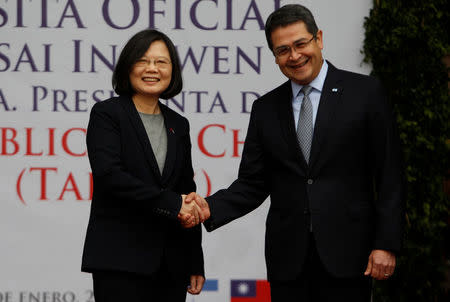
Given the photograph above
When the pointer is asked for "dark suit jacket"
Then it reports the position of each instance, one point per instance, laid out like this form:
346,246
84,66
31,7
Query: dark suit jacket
352,189
133,223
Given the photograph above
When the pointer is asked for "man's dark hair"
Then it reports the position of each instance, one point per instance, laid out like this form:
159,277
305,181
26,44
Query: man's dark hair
133,51
287,15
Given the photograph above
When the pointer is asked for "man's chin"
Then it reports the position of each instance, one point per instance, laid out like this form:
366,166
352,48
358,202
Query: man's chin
301,80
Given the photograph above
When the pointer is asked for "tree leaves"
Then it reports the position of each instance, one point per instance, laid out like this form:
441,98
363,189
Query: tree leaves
406,42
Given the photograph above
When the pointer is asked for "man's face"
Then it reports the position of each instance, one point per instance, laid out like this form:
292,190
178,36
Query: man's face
299,56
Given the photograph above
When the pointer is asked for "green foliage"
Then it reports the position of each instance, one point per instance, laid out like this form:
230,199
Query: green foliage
406,41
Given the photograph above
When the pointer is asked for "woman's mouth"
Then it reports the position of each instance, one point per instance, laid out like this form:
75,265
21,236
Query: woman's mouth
150,79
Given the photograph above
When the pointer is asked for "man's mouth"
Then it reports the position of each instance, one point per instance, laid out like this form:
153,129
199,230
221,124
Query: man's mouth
301,64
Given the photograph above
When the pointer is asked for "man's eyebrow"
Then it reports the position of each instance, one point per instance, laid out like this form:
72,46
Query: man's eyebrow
301,40
296,41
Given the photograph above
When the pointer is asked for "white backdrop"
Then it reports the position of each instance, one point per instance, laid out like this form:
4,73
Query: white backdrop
56,60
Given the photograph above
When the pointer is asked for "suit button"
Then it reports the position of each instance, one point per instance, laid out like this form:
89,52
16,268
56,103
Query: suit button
310,181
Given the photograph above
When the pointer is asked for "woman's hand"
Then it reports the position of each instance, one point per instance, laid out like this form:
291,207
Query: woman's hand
196,286
193,213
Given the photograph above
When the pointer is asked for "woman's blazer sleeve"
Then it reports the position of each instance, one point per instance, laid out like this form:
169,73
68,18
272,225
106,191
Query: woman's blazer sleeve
197,263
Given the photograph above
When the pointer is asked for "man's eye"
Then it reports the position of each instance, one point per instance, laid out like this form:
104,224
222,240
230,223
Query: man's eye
282,51
300,45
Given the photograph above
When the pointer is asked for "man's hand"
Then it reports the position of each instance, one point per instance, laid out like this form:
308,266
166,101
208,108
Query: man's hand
193,213
196,284
381,264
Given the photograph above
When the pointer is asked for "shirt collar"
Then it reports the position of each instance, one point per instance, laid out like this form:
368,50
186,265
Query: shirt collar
317,83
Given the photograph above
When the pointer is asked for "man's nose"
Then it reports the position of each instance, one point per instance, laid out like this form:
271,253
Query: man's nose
294,55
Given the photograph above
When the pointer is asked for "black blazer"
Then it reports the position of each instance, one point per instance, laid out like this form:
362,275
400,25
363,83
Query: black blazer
352,189
133,223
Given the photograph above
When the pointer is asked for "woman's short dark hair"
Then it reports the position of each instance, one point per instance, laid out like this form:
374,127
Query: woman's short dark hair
133,51
286,15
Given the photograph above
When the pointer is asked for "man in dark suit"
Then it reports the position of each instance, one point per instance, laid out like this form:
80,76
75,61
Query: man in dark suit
323,145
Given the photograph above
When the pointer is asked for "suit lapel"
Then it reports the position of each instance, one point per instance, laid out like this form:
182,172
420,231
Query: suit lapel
171,143
329,100
286,118
135,119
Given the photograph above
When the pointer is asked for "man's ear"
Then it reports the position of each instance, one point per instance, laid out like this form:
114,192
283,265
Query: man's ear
319,39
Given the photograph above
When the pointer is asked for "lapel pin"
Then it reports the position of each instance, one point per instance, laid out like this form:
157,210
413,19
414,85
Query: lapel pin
171,130
334,90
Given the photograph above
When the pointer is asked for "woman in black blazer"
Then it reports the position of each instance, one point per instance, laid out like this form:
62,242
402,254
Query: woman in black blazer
140,155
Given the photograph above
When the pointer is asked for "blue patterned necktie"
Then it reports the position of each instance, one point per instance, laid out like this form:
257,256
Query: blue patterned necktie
305,123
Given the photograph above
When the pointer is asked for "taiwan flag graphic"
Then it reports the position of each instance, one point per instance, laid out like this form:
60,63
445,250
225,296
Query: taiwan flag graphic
250,291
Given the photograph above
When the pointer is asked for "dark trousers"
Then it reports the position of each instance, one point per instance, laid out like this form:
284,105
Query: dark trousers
315,284
110,286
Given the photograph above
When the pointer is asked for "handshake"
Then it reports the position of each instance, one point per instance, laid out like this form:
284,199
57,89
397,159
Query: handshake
194,210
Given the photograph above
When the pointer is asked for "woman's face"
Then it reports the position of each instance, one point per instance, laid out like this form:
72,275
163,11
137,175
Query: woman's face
151,74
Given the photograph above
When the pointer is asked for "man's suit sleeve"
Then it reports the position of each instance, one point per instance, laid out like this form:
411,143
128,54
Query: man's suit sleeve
104,151
249,190
387,171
